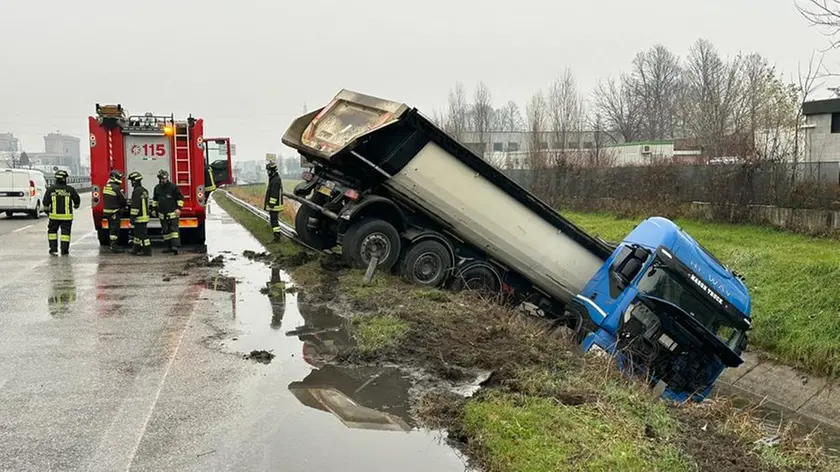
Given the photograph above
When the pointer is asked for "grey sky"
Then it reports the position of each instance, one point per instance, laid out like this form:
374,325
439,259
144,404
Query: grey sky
249,66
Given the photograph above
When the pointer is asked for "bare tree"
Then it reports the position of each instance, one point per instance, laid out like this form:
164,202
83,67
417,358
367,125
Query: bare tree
825,15
482,112
563,109
599,155
508,118
715,95
655,83
457,112
614,102
808,83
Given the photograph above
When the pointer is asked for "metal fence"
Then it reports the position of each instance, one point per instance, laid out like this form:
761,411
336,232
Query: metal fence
804,185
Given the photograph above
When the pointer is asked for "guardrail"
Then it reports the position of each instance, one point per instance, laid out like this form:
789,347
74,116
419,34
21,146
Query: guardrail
79,183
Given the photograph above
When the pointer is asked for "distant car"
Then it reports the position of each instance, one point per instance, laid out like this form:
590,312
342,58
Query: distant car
22,191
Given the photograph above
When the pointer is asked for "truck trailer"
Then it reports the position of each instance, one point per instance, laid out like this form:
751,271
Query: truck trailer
146,144
389,186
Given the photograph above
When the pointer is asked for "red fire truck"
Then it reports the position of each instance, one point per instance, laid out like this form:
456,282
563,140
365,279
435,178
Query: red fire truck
146,144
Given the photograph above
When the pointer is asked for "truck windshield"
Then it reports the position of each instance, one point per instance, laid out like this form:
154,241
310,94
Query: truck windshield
659,282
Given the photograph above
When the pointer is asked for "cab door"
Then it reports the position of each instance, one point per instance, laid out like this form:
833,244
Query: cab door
217,159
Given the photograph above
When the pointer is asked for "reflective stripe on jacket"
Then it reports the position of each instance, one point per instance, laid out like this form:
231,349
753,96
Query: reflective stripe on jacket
140,205
61,199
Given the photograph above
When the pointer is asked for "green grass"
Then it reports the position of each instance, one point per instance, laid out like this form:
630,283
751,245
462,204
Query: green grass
794,281
373,333
521,433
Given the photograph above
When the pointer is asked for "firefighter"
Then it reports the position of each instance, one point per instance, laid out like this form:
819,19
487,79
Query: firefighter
140,215
167,202
113,202
60,199
274,198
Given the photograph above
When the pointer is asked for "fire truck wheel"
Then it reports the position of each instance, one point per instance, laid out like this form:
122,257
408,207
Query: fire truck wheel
371,237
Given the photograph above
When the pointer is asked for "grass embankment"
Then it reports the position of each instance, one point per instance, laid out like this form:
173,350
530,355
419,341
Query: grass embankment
545,407
793,280
255,195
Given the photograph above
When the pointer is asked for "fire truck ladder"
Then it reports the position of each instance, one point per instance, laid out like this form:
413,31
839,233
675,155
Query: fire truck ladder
182,157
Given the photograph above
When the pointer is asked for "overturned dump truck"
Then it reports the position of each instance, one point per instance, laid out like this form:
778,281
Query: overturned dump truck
387,184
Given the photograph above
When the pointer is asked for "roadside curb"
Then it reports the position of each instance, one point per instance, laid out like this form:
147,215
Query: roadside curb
815,398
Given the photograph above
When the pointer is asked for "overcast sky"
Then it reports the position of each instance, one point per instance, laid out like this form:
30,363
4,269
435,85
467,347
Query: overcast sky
248,66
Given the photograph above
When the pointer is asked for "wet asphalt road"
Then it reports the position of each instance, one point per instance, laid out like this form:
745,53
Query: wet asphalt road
110,362
20,222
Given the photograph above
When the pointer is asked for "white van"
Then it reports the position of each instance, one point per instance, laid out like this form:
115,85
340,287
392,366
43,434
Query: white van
21,191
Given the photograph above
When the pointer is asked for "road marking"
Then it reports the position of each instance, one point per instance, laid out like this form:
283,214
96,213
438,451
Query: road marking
21,229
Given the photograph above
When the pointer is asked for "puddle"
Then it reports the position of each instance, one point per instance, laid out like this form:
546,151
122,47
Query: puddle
303,398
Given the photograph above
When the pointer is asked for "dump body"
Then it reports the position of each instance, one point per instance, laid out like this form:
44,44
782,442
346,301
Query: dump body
379,142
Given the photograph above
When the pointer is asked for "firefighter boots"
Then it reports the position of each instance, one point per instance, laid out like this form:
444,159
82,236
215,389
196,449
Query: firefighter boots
116,249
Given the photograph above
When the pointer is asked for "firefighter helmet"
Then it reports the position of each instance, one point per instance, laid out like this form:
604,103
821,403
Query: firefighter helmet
163,174
115,174
271,166
135,177
61,175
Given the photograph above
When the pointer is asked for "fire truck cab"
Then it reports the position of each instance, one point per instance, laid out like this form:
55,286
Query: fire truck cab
146,144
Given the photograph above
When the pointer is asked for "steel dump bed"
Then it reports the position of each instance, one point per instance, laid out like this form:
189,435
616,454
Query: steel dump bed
380,144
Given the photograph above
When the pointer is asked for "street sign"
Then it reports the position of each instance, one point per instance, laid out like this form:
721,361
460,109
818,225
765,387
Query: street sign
271,157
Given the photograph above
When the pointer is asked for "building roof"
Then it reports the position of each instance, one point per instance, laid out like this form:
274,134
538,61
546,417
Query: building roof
821,107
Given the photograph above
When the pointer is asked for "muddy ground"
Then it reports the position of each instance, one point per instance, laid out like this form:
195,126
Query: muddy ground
545,406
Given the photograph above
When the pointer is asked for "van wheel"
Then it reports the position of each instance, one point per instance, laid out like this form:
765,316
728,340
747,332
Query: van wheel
9,214
427,263
480,279
37,213
372,237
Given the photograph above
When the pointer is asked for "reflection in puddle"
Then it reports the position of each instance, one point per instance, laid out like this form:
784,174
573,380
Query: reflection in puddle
361,397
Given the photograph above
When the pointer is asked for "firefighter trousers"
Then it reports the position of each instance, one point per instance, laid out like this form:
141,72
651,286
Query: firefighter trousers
274,221
114,227
53,228
142,243
169,227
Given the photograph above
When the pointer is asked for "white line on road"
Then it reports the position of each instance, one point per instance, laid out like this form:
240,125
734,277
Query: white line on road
21,229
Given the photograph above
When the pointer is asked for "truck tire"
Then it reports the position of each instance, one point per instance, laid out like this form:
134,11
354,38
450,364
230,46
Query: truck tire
316,238
479,278
371,236
427,263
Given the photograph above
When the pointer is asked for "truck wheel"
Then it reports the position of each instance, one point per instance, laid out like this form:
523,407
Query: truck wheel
372,237
318,238
478,278
427,263
9,214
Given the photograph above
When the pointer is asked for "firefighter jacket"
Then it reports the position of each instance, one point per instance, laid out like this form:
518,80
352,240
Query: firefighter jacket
139,205
274,193
209,180
166,198
61,199
113,197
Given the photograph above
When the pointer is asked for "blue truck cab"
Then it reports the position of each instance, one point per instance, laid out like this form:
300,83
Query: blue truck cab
667,309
